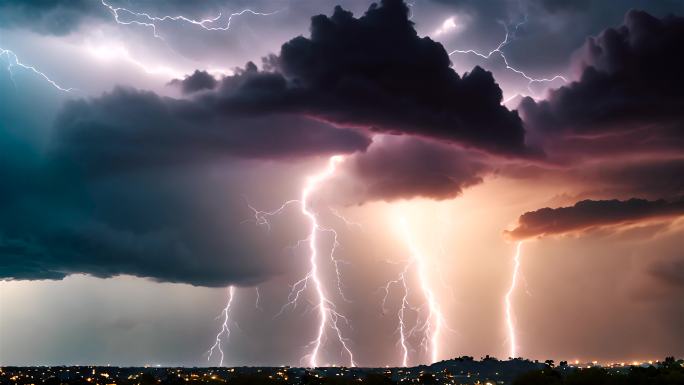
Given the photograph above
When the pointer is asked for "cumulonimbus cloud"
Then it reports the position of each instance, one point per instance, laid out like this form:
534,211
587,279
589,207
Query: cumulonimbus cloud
628,99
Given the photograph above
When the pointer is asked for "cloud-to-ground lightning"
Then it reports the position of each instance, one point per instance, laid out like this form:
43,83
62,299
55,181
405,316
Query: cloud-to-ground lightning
510,322
433,323
434,312
146,20
225,327
328,316
499,51
401,313
13,61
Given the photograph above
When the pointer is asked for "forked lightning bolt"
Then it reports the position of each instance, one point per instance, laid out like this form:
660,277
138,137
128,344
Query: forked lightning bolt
434,312
510,322
498,50
402,328
328,316
13,61
225,327
432,325
146,20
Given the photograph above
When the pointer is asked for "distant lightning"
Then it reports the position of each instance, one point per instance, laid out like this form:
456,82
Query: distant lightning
499,50
13,61
121,53
510,324
146,20
225,327
257,302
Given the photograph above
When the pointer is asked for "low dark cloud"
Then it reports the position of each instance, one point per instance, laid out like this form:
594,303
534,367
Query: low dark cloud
403,168
198,81
628,99
589,214
183,224
376,73
127,128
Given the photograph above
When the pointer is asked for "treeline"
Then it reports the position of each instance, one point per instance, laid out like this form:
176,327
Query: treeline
669,372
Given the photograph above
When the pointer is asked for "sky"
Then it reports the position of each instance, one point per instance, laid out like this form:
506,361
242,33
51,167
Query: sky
299,182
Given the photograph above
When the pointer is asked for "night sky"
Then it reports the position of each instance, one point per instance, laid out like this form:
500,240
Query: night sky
157,156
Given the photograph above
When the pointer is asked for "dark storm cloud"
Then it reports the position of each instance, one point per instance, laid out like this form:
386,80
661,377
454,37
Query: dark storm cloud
54,17
628,98
198,81
134,183
376,73
588,214
404,168
177,225
130,129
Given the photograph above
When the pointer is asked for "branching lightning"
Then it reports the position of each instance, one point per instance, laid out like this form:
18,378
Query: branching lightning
146,20
499,51
434,312
13,61
510,323
225,327
402,328
328,316
433,323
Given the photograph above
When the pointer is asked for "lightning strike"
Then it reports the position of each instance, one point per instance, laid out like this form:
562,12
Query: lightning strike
434,312
510,324
13,61
225,328
328,316
148,21
402,328
431,327
498,50
326,308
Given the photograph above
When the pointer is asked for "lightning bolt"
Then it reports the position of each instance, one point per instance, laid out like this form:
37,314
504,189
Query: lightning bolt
148,21
434,312
257,302
499,51
431,327
13,61
328,316
225,328
510,324
326,308
402,328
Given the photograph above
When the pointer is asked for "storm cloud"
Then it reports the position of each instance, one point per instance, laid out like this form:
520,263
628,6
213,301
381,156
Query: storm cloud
376,73
404,168
628,98
590,214
127,128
